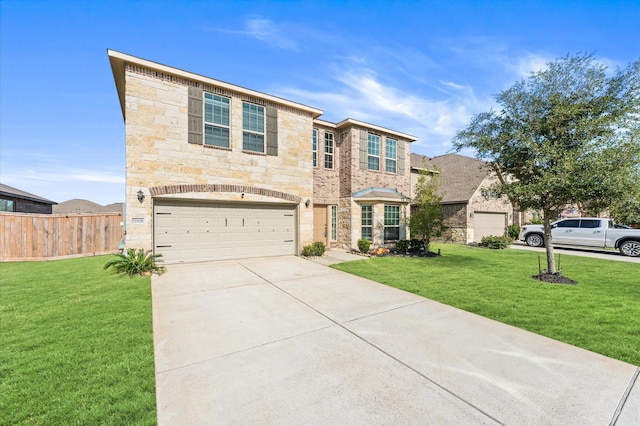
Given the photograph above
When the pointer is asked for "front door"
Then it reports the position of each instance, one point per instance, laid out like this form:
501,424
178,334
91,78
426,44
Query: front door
320,224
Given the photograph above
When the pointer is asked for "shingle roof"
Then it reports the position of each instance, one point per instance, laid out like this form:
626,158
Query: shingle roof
460,176
381,194
17,193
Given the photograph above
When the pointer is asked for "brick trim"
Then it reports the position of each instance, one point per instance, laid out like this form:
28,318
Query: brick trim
242,189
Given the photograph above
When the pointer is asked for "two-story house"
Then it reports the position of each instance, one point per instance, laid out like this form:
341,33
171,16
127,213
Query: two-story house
218,171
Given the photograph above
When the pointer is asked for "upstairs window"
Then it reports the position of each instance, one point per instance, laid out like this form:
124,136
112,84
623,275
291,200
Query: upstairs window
253,127
328,150
367,223
216,120
373,152
391,223
315,148
391,156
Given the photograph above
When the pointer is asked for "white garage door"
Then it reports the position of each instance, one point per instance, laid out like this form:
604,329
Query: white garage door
199,231
488,224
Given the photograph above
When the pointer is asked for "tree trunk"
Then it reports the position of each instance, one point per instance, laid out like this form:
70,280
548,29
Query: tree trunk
548,242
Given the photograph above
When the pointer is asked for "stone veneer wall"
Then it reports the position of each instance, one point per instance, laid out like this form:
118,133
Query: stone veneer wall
158,155
456,220
362,179
326,182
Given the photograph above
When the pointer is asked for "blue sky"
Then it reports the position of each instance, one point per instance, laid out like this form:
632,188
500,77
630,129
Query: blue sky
423,68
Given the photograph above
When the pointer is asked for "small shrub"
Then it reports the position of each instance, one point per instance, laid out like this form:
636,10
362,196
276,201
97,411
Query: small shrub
495,242
417,245
135,262
363,245
315,249
513,231
402,246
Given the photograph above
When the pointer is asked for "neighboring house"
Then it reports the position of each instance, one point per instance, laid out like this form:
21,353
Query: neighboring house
218,171
15,200
79,206
470,208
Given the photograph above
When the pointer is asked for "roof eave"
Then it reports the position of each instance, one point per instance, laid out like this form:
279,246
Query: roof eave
119,59
351,121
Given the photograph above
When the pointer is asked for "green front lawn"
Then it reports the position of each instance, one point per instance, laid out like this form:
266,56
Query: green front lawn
76,344
601,313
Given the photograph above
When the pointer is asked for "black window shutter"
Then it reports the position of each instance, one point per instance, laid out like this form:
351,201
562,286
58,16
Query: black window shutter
272,130
195,115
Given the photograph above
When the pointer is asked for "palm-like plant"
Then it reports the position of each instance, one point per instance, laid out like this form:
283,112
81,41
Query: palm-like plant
135,262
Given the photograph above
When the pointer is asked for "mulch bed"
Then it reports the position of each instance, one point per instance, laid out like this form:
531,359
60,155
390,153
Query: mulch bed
554,279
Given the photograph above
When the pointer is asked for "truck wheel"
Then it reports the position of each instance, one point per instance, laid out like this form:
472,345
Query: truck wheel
630,248
534,240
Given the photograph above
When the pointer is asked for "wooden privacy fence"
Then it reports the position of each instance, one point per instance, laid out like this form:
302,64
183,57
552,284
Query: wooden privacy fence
26,236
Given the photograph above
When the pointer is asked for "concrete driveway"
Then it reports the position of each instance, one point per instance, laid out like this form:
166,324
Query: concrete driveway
289,341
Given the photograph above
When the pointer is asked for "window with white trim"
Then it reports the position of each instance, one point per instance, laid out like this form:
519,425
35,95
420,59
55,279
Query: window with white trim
391,223
391,156
366,219
315,147
328,150
334,223
373,152
253,127
216,120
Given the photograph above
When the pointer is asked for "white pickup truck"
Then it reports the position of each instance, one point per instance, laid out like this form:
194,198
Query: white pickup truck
585,231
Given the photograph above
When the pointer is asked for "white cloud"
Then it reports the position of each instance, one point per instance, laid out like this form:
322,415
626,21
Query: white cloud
268,32
526,64
362,95
453,85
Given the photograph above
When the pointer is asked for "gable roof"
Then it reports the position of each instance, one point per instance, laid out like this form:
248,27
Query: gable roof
353,122
10,191
119,61
460,176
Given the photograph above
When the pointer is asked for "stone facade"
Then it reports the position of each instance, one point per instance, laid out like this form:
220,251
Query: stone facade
164,159
159,157
457,221
326,176
356,177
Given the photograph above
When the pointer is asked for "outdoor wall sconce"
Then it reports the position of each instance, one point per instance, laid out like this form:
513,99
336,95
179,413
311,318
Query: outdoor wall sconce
306,203
140,195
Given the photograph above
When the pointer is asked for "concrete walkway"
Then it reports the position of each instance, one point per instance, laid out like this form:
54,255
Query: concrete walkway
290,341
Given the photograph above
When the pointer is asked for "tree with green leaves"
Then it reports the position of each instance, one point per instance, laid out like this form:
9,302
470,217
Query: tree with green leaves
626,210
568,134
426,219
